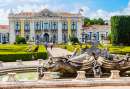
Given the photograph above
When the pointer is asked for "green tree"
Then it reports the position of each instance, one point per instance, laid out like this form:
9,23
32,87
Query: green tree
74,39
21,39
86,20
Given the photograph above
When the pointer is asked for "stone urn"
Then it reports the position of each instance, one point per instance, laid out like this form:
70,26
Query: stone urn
106,42
31,43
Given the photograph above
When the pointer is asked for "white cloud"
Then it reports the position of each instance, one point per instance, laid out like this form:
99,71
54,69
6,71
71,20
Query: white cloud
3,4
86,11
15,1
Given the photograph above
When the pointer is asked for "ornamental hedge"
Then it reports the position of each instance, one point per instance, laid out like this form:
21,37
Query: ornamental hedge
120,30
41,53
12,56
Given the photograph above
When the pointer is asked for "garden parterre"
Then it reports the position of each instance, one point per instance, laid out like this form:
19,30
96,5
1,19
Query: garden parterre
14,52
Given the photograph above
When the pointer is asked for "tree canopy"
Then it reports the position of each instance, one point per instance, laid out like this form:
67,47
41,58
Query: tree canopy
99,21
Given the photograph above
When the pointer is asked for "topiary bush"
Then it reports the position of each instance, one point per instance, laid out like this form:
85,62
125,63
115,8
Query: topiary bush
74,39
21,39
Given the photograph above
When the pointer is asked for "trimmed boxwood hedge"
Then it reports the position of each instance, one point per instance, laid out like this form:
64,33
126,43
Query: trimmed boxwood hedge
11,56
112,49
120,30
41,53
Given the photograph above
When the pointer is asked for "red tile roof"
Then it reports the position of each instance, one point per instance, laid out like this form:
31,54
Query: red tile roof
97,26
30,13
4,26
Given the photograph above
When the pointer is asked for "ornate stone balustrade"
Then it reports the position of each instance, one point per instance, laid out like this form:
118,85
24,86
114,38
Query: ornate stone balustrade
1,63
19,62
114,74
40,61
12,77
47,76
81,75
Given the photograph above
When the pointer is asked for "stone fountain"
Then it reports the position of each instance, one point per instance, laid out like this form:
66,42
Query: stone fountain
92,60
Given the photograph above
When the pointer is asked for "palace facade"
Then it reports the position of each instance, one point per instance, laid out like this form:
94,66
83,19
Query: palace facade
45,25
50,26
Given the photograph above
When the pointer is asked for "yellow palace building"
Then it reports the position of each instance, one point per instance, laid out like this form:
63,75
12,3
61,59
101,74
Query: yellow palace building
45,26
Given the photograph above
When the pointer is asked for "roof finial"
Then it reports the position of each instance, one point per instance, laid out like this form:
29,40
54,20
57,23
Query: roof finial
22,12
58,11
11,12
33,11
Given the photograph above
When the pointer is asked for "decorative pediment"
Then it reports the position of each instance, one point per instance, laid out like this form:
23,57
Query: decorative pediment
46,13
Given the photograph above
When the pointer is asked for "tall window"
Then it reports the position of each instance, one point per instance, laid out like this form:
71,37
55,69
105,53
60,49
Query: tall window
37,37
46,25
27,26
17,26
37,26
64,25
54,25
73,25
27,37
17,36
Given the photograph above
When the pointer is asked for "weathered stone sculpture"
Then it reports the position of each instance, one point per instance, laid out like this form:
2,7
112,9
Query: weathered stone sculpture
92,60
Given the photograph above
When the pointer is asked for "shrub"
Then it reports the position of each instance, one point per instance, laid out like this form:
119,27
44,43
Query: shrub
74,39
21,39
41,53
120,30
11,56
63,46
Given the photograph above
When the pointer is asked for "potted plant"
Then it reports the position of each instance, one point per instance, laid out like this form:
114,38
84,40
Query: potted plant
106,41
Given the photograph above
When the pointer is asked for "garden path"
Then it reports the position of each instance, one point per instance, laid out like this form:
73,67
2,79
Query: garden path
57,51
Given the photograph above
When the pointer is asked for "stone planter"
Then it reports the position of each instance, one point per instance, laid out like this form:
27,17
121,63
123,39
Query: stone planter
106,42
31,43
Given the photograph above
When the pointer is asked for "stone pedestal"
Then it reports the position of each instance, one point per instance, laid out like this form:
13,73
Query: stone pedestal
114,74
1,63
81,75
40,61
12,77
19,62
47,76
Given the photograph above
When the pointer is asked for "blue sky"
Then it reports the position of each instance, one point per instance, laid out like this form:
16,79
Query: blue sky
92,8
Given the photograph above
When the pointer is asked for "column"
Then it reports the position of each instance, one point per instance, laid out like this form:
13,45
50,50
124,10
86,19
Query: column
32,30
83,36
59,31
97,35
12,31
22,28
90,35
69,29
106,34
79,27
0,38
